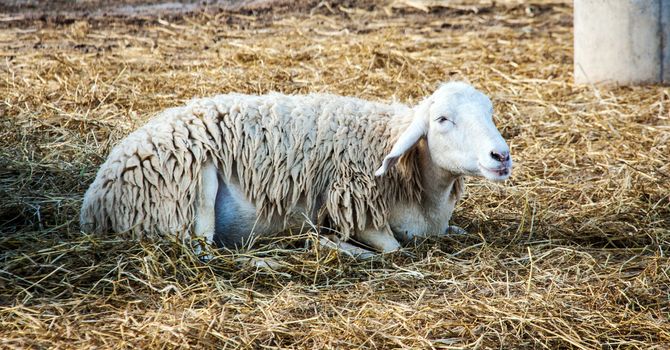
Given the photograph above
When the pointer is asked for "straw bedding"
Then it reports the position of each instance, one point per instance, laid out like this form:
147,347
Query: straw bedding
572,252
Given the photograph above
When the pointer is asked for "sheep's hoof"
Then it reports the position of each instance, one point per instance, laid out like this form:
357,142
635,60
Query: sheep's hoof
455,230
202,250
205,257
259,263
204,254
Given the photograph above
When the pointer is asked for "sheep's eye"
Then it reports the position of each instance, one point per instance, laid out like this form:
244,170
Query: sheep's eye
443,119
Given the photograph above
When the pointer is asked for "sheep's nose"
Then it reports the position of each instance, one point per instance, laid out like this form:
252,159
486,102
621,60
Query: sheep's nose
500,156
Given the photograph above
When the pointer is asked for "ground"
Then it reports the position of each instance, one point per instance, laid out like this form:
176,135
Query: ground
571,252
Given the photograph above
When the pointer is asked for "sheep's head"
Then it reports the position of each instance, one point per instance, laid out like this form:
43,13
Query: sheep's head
458,126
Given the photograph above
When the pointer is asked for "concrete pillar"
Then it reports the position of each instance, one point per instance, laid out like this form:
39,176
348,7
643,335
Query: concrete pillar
622,41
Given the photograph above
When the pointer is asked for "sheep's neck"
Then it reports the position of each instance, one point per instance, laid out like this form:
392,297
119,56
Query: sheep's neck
430,216
437,183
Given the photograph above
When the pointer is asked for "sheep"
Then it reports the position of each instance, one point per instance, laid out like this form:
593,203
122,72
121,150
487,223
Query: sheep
228,168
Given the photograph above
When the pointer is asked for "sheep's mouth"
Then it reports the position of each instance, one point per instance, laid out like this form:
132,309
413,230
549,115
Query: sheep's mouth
499,173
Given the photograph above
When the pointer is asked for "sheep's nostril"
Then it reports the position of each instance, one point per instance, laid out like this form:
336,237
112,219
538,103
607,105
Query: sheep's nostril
501,157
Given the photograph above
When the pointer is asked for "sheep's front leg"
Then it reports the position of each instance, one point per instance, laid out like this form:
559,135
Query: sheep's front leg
204,213
381,240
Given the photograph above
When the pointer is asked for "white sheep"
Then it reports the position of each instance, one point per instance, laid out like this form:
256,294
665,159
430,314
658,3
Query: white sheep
233,166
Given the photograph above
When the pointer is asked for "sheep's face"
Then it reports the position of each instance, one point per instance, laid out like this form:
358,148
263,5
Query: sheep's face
457,122
461,135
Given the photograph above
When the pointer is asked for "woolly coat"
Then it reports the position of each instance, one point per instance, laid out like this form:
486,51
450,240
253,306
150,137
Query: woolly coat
321,150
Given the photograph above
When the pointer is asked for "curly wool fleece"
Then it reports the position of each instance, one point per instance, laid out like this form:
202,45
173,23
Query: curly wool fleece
319,151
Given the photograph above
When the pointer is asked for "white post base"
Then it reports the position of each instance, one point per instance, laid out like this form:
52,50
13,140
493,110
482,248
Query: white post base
622,41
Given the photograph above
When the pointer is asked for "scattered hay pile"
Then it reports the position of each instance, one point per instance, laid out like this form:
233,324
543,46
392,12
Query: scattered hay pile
572,252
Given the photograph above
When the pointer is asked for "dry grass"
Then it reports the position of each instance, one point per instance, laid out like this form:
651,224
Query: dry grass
572,252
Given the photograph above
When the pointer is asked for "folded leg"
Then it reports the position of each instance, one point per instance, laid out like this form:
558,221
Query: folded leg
381,240
346,248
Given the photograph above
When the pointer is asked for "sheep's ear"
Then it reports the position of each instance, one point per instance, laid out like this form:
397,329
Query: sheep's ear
407,139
